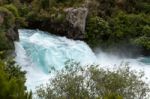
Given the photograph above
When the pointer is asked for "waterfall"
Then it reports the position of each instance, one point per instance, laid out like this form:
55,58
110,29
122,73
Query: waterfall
38,52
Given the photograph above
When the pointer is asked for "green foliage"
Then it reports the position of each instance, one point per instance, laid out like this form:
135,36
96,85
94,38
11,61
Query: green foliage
113,96
4,42
97,30
146,30
127,27
13,9
68,3
12,81
17,12
43,4
119,29
110,22
9,18
143,41
24,10
106,7
93,82
143,7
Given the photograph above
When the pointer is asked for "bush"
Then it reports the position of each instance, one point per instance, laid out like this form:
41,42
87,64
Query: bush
97,31
5,44
24,10
146,30
70,3
128,27
9,18
9,21
13,9
93,82
143,41
120,29
143,7
12,81
106,7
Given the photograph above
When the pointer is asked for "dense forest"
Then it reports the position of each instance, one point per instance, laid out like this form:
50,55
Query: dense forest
109,23
116,24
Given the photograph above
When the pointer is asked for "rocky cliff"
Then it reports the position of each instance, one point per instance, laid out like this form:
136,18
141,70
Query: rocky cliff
77,17
8,34
72,26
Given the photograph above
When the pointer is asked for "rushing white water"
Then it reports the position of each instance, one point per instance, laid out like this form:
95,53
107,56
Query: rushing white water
37,52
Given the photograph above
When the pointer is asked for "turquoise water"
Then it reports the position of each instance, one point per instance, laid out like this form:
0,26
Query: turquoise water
146,60
48,51
37,52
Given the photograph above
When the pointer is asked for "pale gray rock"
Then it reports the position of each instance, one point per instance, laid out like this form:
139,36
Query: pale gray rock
77,17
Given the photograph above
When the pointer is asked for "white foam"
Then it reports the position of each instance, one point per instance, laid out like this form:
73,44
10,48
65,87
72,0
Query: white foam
37,52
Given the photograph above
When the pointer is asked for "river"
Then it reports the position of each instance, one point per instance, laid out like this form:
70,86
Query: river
38,52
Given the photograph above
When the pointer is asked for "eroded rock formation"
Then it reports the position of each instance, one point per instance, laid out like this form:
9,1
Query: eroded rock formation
77,17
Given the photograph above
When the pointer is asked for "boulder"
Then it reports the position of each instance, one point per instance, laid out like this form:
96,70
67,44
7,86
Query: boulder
77,17
12,34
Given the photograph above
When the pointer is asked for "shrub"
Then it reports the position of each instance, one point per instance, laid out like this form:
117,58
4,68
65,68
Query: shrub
146,30
128,27
97,31
5,44
93,82
70,3
12,81
12,9
106,7
143,41
9,18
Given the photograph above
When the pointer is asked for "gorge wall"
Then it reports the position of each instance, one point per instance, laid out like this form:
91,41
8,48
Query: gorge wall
9,33
72,26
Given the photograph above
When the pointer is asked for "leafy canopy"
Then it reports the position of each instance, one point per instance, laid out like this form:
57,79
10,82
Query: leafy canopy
93,82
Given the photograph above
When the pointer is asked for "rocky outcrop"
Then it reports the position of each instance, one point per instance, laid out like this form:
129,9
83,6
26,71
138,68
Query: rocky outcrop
8,33
12,33
77,17
57,28
73,25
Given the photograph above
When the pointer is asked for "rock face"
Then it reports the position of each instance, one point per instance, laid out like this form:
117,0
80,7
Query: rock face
8,34
73,25
12,34
77,17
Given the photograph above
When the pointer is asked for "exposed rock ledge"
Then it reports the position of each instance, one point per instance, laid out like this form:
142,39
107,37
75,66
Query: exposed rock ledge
12,32
72,27
77,17
9,34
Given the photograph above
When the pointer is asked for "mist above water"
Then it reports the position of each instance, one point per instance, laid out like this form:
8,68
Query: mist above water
38,52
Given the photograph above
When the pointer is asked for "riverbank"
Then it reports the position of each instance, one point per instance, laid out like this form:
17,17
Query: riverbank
112,25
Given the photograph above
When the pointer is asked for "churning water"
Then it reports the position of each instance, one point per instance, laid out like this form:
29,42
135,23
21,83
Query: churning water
38,52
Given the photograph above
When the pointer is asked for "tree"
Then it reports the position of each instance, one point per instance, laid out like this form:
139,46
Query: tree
97,31
93,82
12,81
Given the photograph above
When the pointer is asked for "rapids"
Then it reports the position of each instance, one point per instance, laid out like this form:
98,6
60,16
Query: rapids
38,52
